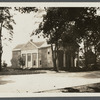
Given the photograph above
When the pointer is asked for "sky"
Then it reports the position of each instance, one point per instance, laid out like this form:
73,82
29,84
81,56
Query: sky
25,25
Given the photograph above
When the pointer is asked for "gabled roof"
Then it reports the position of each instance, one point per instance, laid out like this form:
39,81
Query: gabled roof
38,44
44,45
18,47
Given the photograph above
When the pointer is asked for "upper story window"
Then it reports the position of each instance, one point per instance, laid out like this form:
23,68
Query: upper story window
48,51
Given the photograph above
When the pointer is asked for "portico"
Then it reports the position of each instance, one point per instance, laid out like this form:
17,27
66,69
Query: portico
30,58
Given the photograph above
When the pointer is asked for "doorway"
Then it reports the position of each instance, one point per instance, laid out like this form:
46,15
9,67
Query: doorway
29,60
34,60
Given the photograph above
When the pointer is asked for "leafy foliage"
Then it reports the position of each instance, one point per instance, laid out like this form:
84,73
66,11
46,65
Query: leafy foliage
66,22
6,21
26,9
21,61
71,25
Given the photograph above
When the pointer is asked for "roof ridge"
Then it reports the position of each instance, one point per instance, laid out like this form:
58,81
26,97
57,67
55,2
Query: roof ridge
19,46
38,44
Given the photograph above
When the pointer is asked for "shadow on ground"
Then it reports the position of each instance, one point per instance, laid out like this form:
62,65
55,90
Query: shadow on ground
92,75
84,88
90,88
3,82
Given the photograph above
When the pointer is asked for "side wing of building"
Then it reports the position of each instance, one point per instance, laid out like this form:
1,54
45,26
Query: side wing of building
16,54
45,57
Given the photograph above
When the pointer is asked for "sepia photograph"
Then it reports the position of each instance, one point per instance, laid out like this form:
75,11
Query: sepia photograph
49,48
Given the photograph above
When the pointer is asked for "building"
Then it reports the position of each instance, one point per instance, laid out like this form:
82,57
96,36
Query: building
39,55
34,54
68,56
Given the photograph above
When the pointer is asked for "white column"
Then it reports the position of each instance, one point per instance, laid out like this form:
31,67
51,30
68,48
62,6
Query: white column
75,60
31,60
37,59
21,65
26,60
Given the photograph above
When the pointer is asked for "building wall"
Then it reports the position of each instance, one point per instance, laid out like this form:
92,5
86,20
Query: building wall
40,58
15,56
45,57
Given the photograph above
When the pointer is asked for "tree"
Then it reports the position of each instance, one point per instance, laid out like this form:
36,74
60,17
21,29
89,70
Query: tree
65,24
89,27
5,22
21,62
26,9
94,36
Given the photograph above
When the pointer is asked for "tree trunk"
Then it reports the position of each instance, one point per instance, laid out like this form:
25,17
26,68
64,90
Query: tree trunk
85,51
0,48
95,59
56,61
54,58
0,61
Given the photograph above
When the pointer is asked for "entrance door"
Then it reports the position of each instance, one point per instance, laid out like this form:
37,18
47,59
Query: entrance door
29,60
24,59
34,60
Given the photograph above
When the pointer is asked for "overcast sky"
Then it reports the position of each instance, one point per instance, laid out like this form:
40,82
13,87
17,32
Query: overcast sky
25,25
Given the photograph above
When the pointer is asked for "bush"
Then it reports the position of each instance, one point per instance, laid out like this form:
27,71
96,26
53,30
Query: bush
81,63
21,61
90,57
4,64
14,62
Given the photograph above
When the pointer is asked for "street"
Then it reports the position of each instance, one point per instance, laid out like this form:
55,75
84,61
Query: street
34,83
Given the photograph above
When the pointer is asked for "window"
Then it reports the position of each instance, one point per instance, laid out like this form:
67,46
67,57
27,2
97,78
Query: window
48,51
34,63
24,57
34,59
34,56
29,57
40,62
19,53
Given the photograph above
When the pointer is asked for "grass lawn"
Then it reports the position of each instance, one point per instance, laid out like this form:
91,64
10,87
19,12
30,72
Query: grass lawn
11,71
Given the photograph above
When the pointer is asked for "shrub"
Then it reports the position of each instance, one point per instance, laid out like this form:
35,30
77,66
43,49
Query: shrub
21,61
14,62
4,64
